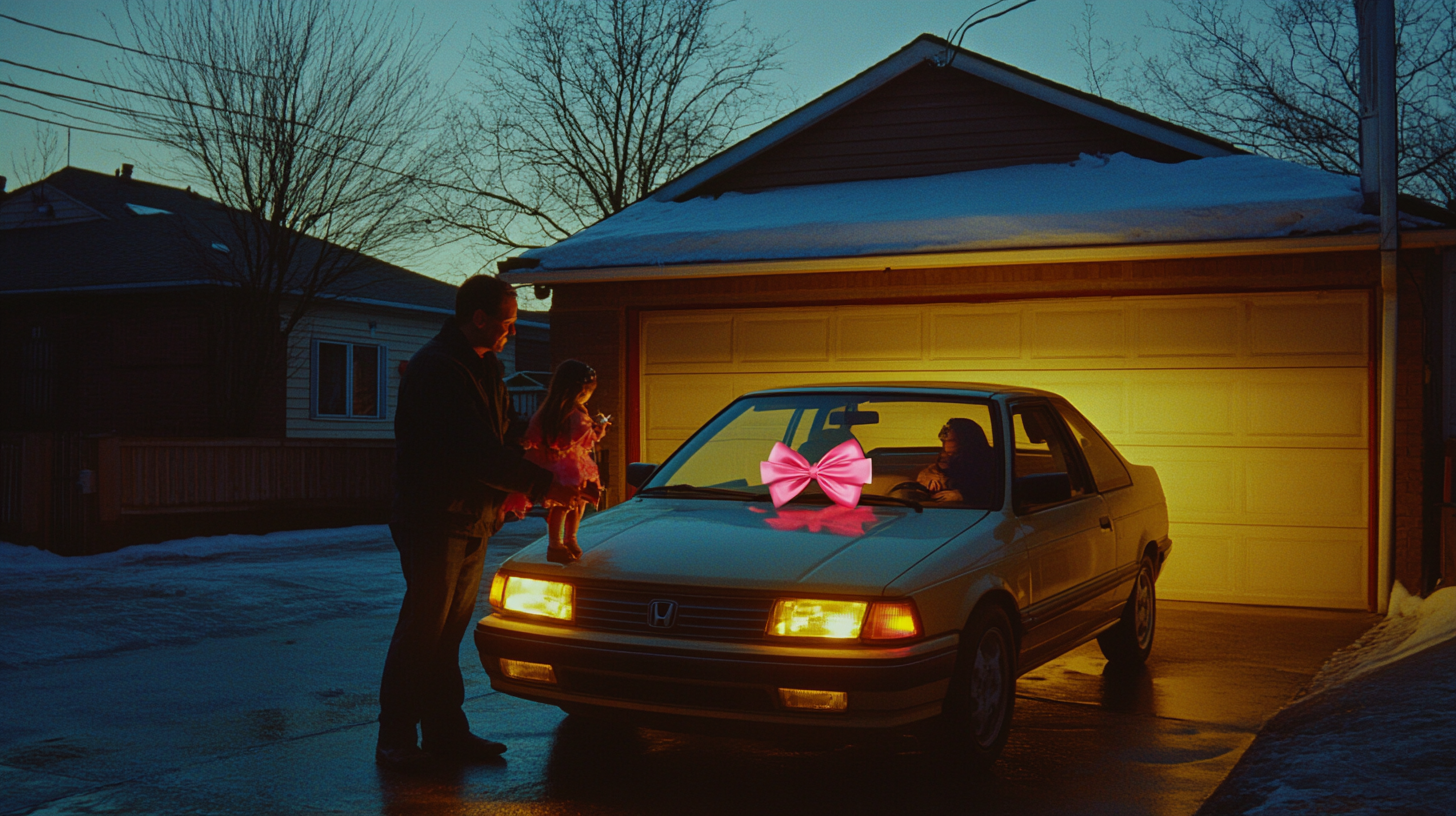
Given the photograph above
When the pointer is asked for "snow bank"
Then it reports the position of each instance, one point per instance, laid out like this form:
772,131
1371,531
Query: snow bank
15,559
1411,625
1119,199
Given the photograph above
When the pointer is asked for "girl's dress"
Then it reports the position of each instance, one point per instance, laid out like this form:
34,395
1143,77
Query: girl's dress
568,456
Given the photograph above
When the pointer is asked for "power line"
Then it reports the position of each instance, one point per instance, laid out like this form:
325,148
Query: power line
64,113
133,50
172,100
74,127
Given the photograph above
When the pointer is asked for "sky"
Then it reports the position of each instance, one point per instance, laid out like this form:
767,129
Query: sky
828,42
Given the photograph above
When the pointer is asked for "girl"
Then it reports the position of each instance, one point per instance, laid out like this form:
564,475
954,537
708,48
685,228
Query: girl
560,438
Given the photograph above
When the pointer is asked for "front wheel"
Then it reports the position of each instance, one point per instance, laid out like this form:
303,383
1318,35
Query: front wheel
1129,643
978,707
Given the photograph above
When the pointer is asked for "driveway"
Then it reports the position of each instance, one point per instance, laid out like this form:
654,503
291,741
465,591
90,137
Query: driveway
239,676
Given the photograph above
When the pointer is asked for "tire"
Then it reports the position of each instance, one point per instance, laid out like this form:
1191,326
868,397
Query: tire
982,696
1128,644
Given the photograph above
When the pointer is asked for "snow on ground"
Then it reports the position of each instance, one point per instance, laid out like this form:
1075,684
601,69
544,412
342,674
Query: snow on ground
1411,625
1117,199
56,608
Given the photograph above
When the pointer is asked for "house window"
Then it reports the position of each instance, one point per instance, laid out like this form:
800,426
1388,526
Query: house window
348,380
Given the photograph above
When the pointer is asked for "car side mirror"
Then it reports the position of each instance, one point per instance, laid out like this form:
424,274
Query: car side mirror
1041,488
639,472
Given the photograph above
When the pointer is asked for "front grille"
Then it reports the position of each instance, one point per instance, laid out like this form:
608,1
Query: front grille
703,616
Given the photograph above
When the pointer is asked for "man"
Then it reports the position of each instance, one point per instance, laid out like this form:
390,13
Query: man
453,468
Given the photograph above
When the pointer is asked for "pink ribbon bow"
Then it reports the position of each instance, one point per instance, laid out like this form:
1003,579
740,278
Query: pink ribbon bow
840,473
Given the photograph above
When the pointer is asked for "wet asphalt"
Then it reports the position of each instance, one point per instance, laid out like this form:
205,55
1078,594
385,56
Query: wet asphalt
273,713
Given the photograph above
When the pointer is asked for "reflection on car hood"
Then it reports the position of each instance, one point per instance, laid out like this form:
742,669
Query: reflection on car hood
750,545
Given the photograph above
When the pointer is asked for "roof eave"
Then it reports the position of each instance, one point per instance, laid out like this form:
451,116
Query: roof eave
987,257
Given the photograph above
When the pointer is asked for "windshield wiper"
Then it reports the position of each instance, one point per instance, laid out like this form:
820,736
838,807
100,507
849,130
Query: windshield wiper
695,492
864,498
875,498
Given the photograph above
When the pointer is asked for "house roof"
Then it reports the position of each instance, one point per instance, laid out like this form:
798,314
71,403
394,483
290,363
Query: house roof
108,233
1171,186
979,74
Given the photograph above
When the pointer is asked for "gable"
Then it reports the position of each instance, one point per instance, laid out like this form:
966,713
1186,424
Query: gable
42,205
929,121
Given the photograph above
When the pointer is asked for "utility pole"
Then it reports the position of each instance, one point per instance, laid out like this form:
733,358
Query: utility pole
1378,181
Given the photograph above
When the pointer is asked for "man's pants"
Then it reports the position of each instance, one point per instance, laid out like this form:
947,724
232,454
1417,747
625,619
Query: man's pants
422,682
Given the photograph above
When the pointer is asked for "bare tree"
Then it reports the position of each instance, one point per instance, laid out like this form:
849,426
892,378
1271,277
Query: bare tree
1281,78
307,120
41,159
588,105
1101,57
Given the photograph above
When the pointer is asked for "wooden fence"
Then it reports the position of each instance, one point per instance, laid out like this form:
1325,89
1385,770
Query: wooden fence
76,495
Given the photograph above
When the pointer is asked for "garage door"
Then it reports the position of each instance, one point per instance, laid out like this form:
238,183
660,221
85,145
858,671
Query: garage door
1254,409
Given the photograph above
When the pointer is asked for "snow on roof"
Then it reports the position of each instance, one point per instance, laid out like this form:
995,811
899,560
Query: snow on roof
1097,200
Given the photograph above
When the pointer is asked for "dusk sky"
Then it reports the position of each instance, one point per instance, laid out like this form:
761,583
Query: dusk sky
829,42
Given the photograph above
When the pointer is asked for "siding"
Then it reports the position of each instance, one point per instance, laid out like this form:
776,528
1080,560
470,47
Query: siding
401,332
929,121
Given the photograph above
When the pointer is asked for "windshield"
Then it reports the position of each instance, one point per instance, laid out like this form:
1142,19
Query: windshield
931,450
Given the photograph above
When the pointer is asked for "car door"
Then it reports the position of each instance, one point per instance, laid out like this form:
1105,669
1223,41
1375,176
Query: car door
1064,528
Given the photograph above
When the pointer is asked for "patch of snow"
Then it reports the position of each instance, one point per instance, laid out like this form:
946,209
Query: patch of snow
142,210
15,559
1117,199
1411,625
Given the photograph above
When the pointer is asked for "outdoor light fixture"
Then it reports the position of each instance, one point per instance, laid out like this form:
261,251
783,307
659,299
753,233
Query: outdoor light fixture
529,596
814,700
534,672
840,620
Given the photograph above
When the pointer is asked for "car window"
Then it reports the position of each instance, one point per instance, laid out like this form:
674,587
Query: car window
902,435
1107,469
1041,448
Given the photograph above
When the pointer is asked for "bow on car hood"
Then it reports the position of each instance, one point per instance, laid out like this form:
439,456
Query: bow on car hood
750,545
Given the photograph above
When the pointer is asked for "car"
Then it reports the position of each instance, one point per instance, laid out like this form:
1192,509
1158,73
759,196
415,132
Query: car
993,529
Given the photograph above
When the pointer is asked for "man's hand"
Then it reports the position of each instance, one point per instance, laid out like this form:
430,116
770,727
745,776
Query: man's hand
563,494
933,478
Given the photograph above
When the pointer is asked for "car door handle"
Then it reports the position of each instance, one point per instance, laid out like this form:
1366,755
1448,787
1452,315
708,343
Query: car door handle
1106,522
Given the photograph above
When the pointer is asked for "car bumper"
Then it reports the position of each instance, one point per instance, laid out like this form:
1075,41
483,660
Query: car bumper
701,684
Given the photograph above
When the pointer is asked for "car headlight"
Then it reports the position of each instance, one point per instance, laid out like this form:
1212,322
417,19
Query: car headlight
840,620
844,620
529,596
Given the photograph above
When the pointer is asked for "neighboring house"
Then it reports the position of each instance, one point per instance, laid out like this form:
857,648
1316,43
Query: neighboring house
1218,314
106,321
105,369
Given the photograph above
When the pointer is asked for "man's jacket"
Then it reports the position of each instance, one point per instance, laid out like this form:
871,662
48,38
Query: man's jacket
454,463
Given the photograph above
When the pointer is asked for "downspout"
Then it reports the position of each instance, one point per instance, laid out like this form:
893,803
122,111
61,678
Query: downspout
1378,142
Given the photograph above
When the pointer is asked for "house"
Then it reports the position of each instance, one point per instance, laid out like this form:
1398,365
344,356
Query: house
943,216
107,364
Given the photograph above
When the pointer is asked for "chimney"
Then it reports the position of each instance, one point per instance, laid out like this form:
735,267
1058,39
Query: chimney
2,185
126,172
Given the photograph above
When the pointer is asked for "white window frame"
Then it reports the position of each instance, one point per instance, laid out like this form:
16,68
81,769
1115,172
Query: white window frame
382,382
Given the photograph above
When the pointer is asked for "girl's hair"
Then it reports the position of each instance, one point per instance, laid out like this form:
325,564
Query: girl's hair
570,377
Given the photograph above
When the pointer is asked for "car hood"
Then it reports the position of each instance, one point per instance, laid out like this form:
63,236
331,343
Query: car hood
750,545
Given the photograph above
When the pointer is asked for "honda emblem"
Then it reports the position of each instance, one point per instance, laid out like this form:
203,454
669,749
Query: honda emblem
661,614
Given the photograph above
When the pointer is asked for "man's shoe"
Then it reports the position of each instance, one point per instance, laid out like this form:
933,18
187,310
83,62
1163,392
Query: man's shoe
469,748
404,758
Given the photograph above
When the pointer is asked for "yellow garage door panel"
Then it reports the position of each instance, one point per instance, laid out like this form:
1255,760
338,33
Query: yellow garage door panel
1267,331
1254,409
1299,487
1290,566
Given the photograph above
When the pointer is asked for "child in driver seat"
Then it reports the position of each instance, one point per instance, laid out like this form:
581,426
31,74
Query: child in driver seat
561,438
